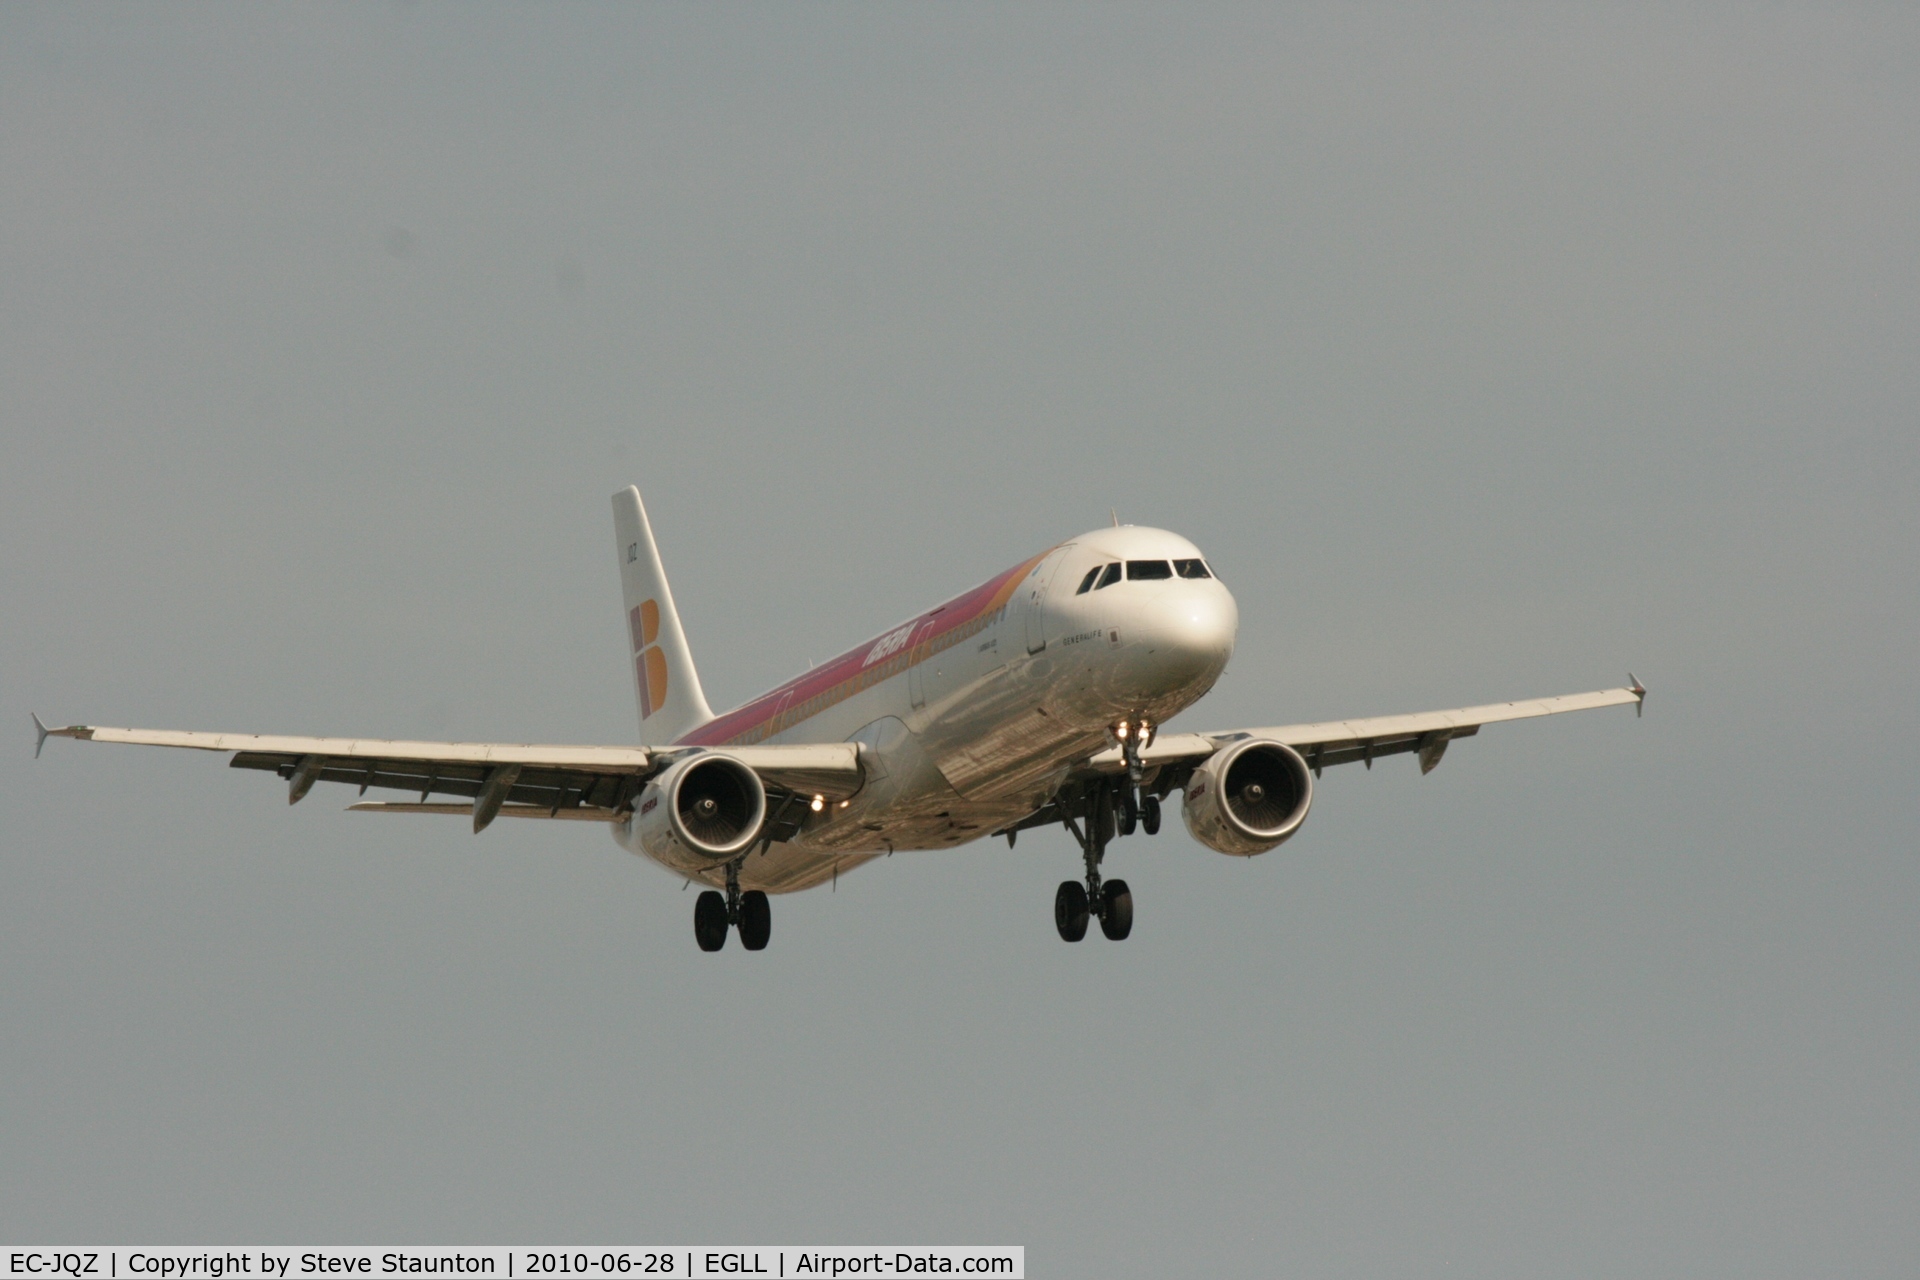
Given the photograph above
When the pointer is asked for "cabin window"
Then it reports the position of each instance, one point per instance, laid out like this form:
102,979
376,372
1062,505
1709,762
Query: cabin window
1111,576
1192,568
1138,569
1086,583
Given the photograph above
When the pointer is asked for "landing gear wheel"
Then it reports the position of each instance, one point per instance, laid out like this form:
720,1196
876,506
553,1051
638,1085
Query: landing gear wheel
1116,909
710,921
1070,911
1129,812
756,920
1150,816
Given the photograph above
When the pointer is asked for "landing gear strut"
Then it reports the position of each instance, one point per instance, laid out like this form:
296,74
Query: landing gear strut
749,912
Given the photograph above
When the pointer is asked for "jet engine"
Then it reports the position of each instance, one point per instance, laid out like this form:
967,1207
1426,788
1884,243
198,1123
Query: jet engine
699,812
1247,797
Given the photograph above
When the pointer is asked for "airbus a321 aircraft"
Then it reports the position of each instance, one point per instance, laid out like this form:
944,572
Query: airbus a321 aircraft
1032,700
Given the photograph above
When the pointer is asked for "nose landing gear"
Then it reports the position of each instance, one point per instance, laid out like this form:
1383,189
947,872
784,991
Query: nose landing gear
749,912
1134,736
1136,807
1143,811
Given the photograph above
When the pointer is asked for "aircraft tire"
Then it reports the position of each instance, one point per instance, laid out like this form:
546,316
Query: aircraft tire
1150,816
1116,921
756,920
710,920
1129,812
1070,911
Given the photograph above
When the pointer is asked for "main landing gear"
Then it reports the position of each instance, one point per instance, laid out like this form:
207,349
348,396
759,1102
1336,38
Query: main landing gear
714,914
1110,807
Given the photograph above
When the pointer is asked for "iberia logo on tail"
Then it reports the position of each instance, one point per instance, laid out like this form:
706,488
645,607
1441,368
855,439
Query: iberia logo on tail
649,664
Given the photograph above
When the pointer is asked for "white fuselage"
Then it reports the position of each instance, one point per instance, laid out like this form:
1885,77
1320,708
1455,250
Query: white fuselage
973,713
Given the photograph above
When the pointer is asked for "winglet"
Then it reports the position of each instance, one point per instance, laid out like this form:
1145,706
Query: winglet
1639,692
43,732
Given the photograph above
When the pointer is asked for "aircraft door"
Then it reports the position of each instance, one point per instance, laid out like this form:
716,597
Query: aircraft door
917,668
1034,596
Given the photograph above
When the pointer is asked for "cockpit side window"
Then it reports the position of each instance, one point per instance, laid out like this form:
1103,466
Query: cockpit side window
1192,568
1086,583
1111,576
1138,569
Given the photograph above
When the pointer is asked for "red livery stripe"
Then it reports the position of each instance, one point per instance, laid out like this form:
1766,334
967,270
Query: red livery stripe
833,682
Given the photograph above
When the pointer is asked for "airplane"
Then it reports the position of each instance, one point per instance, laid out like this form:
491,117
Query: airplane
1033,700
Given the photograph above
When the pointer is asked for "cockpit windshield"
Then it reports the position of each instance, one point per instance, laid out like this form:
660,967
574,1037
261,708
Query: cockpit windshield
1105,575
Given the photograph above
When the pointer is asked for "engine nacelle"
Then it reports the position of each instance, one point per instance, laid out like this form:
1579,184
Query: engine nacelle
700,812
1247,797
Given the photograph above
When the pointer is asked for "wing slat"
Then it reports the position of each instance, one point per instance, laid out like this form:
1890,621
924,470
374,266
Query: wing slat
598,759
557,781
577,814
1334,742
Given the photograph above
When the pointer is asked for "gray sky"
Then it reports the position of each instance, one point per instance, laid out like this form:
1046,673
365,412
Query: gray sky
1488,354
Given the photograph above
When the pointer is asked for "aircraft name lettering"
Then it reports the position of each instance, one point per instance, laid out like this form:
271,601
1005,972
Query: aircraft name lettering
890,643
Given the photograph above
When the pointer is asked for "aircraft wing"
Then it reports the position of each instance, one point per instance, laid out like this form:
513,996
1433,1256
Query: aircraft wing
1334,742
511,779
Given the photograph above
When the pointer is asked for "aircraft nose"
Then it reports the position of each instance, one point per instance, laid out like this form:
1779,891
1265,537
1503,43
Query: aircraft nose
1191,636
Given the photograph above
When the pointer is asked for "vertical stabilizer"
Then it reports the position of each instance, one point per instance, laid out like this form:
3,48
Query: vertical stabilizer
671,703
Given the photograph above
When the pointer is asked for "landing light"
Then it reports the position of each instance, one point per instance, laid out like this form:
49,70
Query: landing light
819,803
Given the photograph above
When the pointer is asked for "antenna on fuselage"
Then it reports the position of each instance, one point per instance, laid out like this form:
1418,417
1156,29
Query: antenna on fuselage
1116,516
